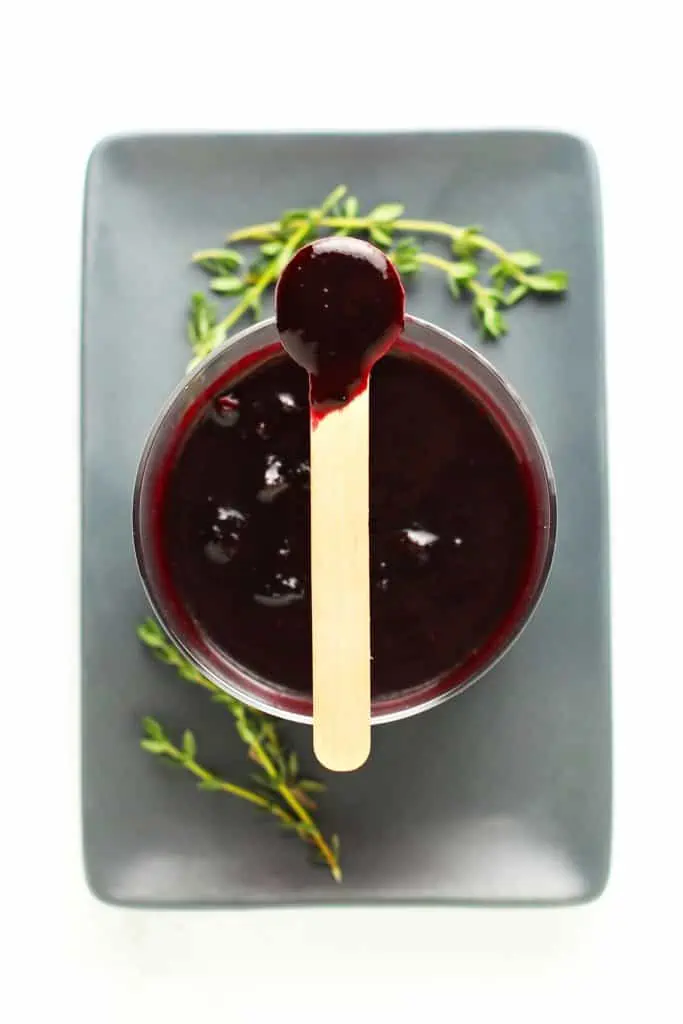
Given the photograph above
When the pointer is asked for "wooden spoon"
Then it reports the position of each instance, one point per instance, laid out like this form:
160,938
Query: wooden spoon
340,307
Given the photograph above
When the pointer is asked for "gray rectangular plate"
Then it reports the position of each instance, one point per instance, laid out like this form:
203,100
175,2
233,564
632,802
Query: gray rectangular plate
501,796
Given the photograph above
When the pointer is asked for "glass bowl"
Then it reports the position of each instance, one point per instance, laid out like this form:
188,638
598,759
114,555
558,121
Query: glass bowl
249,349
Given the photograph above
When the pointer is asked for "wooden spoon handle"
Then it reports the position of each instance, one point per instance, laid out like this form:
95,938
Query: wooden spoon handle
340,581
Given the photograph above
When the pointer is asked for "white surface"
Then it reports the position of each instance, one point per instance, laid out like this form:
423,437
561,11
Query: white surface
72,72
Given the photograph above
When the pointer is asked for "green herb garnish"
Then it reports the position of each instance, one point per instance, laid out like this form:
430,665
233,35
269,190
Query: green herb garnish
278,787
507,277
205,332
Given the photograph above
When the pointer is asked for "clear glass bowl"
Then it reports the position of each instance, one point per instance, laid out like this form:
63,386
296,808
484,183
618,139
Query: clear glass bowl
247,350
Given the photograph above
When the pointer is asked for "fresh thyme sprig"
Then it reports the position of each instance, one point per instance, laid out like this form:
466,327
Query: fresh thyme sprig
492,287
279,788
205,331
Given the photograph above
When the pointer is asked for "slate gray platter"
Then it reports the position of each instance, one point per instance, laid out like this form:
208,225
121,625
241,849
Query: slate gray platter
500,796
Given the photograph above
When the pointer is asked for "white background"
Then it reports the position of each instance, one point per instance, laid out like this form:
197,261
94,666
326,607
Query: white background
73,71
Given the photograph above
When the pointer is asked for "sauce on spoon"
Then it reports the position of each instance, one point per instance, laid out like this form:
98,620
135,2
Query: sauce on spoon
340,307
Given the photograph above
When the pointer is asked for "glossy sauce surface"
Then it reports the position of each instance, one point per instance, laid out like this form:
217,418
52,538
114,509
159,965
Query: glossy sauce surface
452,524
